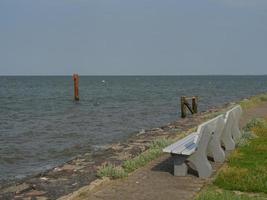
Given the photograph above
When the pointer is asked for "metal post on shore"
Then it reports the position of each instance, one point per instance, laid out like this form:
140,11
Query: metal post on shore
76,87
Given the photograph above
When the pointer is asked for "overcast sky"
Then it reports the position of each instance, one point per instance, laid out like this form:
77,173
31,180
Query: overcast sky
133,37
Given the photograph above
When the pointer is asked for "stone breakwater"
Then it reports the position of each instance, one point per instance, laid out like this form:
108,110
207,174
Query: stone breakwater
81,171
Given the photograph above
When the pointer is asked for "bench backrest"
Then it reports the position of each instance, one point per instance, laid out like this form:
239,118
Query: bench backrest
232,118
207,129
229,121
237,110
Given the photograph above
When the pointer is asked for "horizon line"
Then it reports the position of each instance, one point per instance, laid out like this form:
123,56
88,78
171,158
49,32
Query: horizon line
2,75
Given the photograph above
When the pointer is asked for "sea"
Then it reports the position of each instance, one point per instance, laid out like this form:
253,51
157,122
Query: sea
41,126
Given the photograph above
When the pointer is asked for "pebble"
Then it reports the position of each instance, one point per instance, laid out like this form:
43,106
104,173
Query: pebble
44,178
34,193
16,188
57,169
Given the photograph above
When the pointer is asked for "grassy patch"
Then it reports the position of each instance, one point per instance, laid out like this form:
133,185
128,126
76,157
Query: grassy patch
246,138
141,160
253,101
114,172
245,175
111,171
160,143
213,193
247,167
255,123
154,151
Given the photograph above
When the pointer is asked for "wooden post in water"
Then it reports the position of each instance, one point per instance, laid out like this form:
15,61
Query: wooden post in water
184,104
183,111
76,87
194,104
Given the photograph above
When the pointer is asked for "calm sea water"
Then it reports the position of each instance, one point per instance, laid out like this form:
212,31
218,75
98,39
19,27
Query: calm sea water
41,126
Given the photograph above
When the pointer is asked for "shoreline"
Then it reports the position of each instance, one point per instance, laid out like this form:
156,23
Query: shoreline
81,171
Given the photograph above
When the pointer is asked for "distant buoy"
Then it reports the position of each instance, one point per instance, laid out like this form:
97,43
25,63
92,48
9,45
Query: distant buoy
103,81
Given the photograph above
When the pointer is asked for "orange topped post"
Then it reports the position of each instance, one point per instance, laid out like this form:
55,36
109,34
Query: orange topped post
76,87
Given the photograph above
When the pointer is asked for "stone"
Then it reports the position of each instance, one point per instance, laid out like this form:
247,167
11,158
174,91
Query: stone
41,198
44,179
16,188
68,168
34,193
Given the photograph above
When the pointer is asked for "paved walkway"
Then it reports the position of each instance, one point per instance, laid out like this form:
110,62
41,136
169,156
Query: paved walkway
156,182
152,182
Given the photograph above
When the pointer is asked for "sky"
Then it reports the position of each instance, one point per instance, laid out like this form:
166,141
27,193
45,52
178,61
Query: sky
133,37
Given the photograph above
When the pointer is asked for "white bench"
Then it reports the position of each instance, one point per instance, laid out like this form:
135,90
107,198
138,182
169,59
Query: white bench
194,148
208,140
231,133
215,149
235,130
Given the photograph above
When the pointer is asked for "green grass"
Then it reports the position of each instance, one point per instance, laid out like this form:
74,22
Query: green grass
128,166
246,170
154,151
246,138
111,171
213,193
253,101
247,166
255,123
141,160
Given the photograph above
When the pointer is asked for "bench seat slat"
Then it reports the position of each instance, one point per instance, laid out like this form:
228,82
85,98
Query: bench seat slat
180,145
186,149
189,149
181,148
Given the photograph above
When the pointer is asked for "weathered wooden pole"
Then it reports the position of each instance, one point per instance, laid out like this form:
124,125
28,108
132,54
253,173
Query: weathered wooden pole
183,111
185,104
194,104
76,87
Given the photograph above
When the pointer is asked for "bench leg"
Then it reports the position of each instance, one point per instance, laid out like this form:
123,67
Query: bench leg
228,142
202,165
236,131
216,150
180,168
236,134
